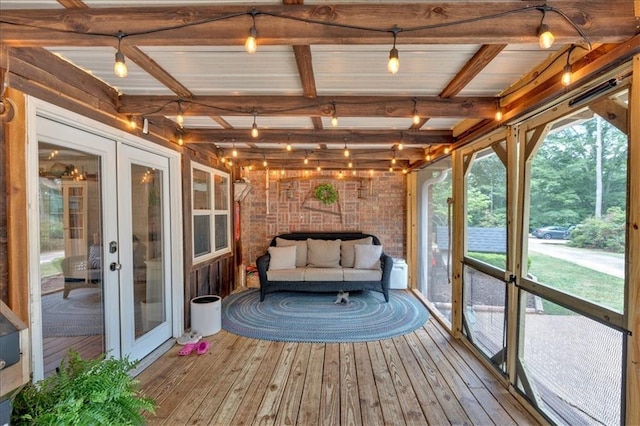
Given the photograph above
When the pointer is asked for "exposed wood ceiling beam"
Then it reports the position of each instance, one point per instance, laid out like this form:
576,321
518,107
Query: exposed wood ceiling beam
73,4
477,63
601,20
352,137
305,69
222,122
321,106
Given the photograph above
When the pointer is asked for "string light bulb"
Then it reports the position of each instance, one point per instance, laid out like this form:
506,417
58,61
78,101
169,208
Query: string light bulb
132,123
234,153
251,44
264,161
393,66
566,71
254,128
180,140
306,159
393,160
428,156
498,111
416,116
120,67
346,150
447,150
334,116
180,117
545,36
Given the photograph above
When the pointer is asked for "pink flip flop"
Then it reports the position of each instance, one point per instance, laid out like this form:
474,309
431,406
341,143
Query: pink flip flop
203,347
187,349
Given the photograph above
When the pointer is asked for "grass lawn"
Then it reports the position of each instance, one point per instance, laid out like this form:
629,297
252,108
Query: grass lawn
588,284
51,268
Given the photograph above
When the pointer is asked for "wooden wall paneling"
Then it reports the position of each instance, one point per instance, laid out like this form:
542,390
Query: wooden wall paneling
16,208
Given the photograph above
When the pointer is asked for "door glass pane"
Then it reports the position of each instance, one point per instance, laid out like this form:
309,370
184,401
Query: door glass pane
71,267
434,251
147,256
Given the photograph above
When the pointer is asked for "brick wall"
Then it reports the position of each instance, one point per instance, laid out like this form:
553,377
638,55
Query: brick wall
291,207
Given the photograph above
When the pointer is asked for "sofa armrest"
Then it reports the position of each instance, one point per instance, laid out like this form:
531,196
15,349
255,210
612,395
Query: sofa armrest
262,263
386,263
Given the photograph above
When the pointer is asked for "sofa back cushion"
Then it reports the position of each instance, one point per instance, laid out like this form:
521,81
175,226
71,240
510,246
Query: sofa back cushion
282,257
301,250
367,256
323,253
347,252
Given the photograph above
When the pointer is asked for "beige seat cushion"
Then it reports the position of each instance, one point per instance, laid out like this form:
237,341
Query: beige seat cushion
323,274
347,252
301,250
323,253
351,274
296,274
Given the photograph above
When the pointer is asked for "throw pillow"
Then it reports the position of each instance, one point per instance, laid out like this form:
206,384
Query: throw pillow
367,256
323,253
301,250
282,257
348,254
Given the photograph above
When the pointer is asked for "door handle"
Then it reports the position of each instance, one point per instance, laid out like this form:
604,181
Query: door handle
115,266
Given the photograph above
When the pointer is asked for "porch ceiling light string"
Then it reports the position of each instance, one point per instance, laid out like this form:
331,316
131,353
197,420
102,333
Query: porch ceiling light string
545,36
393,66
251,44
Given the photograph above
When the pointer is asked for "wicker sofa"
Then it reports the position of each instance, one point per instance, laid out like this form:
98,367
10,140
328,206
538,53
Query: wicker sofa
315,268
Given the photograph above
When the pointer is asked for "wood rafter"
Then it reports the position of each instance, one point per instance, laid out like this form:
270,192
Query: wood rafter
352,137
92,27
321,106
477,63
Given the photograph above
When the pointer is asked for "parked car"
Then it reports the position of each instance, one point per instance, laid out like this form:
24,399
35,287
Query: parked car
552,232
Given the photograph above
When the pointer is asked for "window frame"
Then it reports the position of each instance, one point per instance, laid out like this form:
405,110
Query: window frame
212,212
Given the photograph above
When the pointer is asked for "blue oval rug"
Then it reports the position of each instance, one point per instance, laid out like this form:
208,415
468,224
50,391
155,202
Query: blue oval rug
314,317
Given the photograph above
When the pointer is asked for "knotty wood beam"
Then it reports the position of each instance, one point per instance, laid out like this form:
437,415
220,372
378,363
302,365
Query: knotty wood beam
614,112
305,69
350,106
155,70
221,121
477,63
602,21
73,4
353,137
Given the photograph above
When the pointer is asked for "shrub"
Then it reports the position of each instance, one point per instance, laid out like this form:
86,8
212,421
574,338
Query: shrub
83,392
606,233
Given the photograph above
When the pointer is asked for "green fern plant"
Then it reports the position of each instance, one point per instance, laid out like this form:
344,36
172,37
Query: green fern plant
84,392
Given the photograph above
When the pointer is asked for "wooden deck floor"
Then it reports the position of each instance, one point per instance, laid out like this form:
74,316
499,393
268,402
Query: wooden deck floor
421,378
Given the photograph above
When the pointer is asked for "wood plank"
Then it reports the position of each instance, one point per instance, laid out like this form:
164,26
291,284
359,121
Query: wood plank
219,381
241,386
445,395
424,393
312,392
292,395
472,68
305,70
409,403
457,384
330,403
601,20
192,374
16,206
349,399
320,106
633,245
391,409
369,401
273,396
251,401
615,112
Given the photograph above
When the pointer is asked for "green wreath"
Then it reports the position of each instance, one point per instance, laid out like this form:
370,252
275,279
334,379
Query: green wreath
326,193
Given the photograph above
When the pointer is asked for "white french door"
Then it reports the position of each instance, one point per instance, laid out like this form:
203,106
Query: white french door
102,210
145,297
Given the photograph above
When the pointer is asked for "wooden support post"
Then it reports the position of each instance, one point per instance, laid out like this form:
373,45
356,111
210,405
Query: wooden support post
633,249
457,248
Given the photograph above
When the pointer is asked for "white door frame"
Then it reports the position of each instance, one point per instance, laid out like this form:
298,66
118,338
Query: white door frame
36,107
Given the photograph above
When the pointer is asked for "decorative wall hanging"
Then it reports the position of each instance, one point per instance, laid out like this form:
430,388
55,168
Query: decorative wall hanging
326,194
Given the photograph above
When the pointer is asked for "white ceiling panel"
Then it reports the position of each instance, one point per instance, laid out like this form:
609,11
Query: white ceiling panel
442,123
269,122
24,4
99,61
373,123
191,122
229,70
362,70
